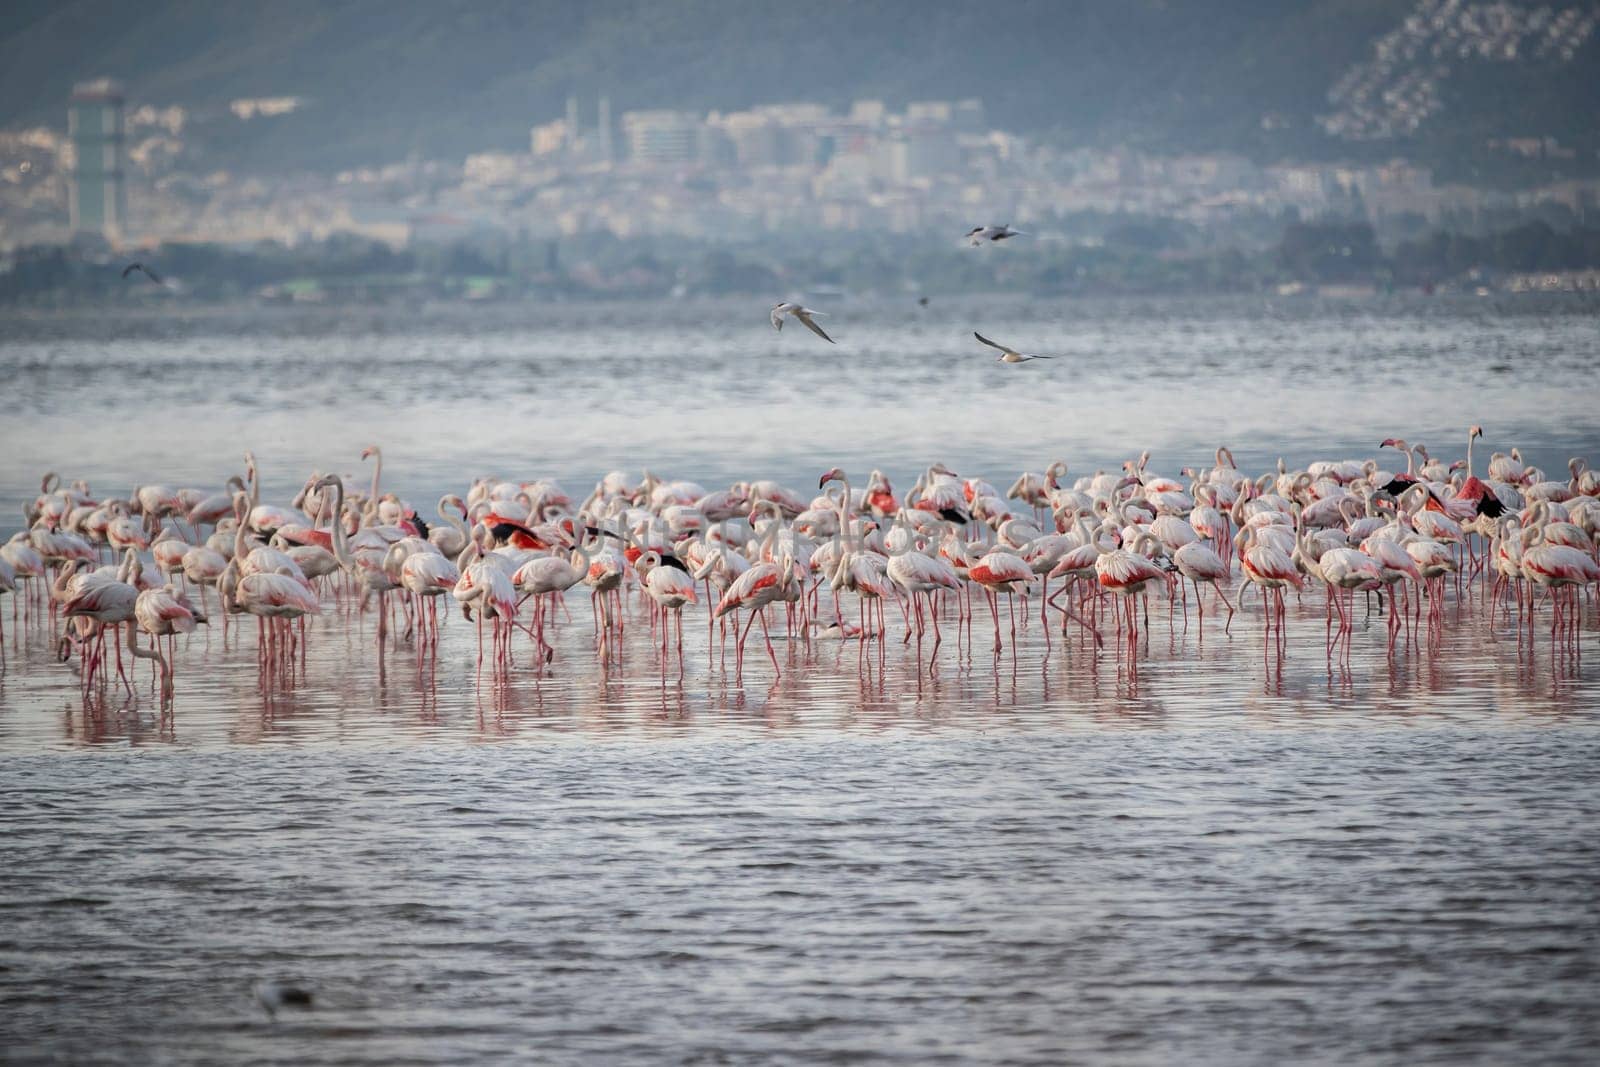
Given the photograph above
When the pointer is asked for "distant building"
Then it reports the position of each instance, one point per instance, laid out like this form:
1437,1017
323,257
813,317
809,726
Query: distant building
550,138
969,117
603,129
868,112
97,197
929,112
657,138
923,152
574,132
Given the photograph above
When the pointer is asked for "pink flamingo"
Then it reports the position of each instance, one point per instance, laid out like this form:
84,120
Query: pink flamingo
104,602
426,575
1560,570
1199,562
752,591
161,613
485,591
918,573
546,578
1002,572
1270,569
670,588
1124,572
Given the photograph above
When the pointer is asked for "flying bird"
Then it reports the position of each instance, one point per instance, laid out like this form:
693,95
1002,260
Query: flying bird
803,314
979,234
146,271
1007,355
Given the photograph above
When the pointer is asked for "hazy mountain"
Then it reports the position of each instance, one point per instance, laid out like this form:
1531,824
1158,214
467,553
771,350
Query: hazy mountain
386,78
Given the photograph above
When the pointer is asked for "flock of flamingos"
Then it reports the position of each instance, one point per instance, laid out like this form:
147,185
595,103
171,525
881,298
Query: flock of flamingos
1405,530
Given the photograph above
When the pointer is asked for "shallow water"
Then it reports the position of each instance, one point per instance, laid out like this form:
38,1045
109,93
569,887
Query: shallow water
709,391
1040,858
1419,894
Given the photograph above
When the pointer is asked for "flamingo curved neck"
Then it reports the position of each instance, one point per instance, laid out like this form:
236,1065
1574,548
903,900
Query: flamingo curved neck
341,552
377,470
241,515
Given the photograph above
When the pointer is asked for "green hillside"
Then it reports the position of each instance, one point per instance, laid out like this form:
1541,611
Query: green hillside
451,76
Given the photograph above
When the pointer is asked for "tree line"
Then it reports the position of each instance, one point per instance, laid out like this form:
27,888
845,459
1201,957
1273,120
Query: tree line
1131,258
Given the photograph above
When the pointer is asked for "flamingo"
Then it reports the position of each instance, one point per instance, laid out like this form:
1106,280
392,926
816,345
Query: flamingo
212,509
1347,570
545,578
760,585
607,567
24,560
717,568
1434,561
1484,501
1560,570
168,551
671,588
364,568
1345,523
156,502
426,575
916,572
104,603
1077,565
450,539
122,533
1002,571
485,591
56,547
1125,572
275,600
856,569
162,613
1199,562
203,566
1268,567
1044,554
1396,566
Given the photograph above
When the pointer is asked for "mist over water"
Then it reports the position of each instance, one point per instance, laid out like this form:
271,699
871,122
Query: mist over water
1036,858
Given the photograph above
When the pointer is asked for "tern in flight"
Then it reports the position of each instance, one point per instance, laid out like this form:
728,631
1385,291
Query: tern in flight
142,269
979,234
1007,355
803,314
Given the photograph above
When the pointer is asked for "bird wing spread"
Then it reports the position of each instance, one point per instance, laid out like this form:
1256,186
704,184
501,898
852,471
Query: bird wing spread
805,317
992,344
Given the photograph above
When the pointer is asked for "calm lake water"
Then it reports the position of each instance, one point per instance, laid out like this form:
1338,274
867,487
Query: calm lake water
1043,858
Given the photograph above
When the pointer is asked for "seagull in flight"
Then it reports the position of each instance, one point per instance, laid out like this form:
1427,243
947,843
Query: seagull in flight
979,234
803,314
1007,355
142,269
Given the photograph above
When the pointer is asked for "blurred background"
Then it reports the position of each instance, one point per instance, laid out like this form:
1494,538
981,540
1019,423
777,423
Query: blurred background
489,150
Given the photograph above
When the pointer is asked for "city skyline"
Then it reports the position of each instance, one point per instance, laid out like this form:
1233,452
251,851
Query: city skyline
1407,113
787,167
